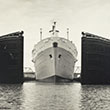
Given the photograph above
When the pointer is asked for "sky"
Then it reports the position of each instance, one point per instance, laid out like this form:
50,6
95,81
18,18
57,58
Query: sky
30,15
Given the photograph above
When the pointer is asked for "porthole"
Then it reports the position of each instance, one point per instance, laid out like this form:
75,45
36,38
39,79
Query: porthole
50,56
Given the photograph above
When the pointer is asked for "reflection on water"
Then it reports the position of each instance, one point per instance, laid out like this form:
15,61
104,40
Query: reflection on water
49,96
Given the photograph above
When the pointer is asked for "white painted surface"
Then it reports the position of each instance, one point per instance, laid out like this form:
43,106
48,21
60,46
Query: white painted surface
45,66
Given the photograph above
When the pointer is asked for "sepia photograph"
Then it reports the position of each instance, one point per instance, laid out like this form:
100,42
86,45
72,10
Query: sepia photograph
54,55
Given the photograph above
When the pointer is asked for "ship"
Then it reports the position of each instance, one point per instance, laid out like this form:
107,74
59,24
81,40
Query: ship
95,59
54,57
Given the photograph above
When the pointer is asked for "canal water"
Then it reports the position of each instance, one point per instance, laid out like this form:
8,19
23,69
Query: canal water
49,96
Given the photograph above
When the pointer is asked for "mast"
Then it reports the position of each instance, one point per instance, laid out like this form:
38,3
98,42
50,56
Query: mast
54,31
40,34
54,27
68,33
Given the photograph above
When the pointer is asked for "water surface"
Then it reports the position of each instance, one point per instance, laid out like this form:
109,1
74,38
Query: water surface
50,96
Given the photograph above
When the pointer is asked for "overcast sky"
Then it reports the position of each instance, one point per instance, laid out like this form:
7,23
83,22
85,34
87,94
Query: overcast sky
30,15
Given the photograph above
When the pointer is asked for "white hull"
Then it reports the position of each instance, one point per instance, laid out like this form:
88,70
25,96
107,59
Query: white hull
54,61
